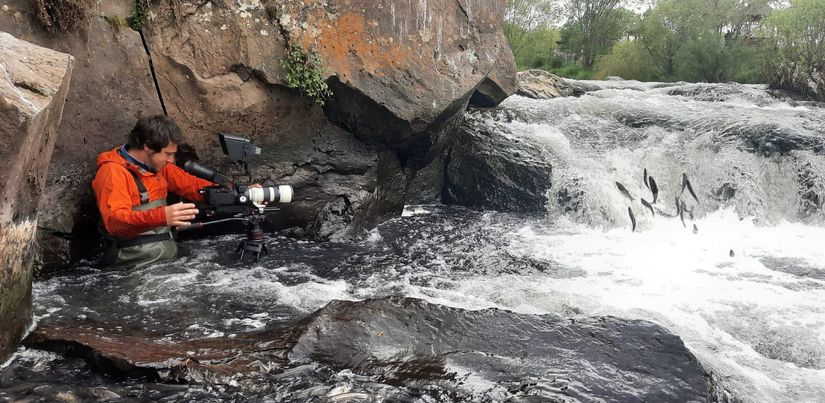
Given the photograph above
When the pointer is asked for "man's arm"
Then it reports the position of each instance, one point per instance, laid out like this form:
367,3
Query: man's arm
112,186
184,184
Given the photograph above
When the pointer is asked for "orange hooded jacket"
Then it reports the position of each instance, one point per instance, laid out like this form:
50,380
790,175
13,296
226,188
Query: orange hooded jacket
117,193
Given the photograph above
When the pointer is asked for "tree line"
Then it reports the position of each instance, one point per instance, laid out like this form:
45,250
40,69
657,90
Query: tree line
748,41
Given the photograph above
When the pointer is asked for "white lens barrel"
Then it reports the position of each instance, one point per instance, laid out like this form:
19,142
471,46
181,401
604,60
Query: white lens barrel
286,193
283,194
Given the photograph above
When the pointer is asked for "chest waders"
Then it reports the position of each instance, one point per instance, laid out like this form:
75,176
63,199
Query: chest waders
153,246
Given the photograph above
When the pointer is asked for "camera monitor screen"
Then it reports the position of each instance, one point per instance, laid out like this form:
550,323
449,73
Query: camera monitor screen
237,148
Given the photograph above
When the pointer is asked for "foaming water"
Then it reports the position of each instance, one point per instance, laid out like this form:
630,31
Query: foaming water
733,141
745,290
758,327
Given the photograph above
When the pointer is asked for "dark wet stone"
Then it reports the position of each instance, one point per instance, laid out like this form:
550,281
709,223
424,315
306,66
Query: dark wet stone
409,342
489,169
138,354
797,267
406,340
768,139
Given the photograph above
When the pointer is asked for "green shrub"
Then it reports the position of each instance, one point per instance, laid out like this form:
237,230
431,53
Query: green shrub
139,15
305,73
572,70
629,60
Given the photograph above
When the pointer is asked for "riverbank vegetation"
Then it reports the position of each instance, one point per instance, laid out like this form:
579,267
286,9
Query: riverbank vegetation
748,41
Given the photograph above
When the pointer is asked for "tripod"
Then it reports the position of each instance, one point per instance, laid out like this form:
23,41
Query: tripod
254,241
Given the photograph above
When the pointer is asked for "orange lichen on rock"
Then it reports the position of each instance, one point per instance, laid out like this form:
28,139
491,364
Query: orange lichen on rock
349,36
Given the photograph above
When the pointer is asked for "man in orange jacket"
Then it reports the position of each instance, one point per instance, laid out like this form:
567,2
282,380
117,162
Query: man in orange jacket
131,185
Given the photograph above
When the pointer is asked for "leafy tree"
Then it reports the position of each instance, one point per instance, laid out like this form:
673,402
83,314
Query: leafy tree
798,34
593,27
706,58
525,21
665,29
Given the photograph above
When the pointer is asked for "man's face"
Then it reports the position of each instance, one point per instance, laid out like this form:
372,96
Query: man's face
159,159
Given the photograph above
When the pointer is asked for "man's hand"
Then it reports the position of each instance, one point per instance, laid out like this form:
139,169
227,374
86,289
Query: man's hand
179,214
257,186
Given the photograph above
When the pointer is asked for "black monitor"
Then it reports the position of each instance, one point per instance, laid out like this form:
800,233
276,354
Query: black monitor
237,148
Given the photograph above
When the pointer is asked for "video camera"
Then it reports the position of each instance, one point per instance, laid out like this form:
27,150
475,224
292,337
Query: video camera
242,202
226,197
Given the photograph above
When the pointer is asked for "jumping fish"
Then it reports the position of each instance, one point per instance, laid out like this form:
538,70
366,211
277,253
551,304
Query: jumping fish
678,206
695,229
686,183
632,219
646,204
624,191
653,188
645,179
685,209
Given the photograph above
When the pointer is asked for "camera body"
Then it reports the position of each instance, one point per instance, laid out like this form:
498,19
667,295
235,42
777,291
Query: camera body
238,199
227,197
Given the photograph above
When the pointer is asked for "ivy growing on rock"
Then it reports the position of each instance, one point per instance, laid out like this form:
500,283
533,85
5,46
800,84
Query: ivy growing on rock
139,15
305,73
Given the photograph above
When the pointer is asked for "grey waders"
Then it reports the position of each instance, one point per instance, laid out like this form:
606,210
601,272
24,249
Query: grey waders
148,248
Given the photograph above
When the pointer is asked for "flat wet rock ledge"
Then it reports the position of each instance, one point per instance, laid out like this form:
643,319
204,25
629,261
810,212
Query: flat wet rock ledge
415,346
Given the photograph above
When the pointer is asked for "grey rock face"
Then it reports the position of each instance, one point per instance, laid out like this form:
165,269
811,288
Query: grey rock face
33,86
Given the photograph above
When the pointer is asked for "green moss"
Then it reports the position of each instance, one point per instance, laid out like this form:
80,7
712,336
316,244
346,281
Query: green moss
305,73
118,23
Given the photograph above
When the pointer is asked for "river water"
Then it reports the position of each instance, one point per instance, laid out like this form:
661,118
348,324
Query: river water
742,283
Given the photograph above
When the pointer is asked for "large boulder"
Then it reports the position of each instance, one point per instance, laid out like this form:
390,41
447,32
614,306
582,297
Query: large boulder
491,168
401,75
540,84
34,82
499,84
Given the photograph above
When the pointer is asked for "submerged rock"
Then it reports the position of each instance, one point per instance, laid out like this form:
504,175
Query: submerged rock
486,354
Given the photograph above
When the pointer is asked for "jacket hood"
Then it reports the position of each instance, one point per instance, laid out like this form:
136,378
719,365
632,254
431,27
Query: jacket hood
110,156
114,157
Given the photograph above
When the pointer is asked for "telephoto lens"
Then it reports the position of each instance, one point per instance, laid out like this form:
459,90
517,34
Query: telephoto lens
204,172
280,194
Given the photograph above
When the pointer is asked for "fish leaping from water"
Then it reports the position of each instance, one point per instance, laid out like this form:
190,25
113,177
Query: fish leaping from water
685,209
644,178
653,188
624,191
686,183
646,204
632,219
